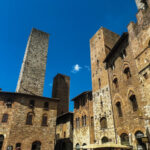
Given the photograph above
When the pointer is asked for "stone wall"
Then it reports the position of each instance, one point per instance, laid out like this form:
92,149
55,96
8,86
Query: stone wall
32,74
20,132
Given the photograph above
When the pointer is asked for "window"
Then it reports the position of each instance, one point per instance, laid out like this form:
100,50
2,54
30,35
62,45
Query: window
9,103
104,140
127,72
18,146
64,134
82,121
92,121
44,120
134,102
77,146
29,118
124,139
115,82
5,118
103,123
118,105
97,63
99,83
1,141
31,104
46,106
145,75
77,104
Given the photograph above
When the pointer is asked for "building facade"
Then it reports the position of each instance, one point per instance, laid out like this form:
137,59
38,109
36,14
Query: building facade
83,132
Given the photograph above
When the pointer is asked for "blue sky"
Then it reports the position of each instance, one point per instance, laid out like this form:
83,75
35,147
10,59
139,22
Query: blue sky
71,23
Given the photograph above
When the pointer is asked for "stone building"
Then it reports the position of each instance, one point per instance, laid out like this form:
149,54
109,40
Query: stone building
83,133
28,120
125,74
101,44
64,132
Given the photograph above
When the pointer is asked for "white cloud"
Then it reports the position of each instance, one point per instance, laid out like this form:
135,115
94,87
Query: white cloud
76,68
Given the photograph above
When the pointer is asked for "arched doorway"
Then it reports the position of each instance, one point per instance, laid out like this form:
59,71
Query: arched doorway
36,145
77,146
124,139
104,140
140,145
84,145
1,141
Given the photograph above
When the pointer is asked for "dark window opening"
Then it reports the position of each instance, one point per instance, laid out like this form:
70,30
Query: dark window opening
64,134
18,146
9,103
124,139
29,118
77,104
145,75
134,102
46,106
1,141
115,81
5,118
104,140
92,121
36,145
118,105
99,83
97,63
44,120
127,72
103,123
31,105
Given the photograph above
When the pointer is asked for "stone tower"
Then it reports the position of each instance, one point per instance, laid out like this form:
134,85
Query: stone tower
100,45
32,74
141,4
61,87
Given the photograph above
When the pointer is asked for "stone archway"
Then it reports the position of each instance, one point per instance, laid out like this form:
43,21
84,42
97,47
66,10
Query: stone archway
36,145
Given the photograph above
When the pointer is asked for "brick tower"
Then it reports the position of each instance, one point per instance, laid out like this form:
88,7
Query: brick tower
61,87
32,74
100,45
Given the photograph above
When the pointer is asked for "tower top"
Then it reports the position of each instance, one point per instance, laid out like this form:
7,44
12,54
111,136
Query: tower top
141,4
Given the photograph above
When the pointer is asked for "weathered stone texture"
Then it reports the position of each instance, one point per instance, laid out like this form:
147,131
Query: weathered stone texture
61,90
83,134
101,44
17,129
32,74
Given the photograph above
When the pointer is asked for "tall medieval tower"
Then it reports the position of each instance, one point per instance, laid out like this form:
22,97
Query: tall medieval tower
61,89
32,74
100,45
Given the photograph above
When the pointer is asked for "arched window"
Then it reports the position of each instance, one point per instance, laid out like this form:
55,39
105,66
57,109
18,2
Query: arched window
124,139
140,145
84,144
134,102
77,146
31,104
46,106
103,123
115,82
36,145
44,120
118,105
104,140
29,118
127,72
85,120
1,141
18,146
5,118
